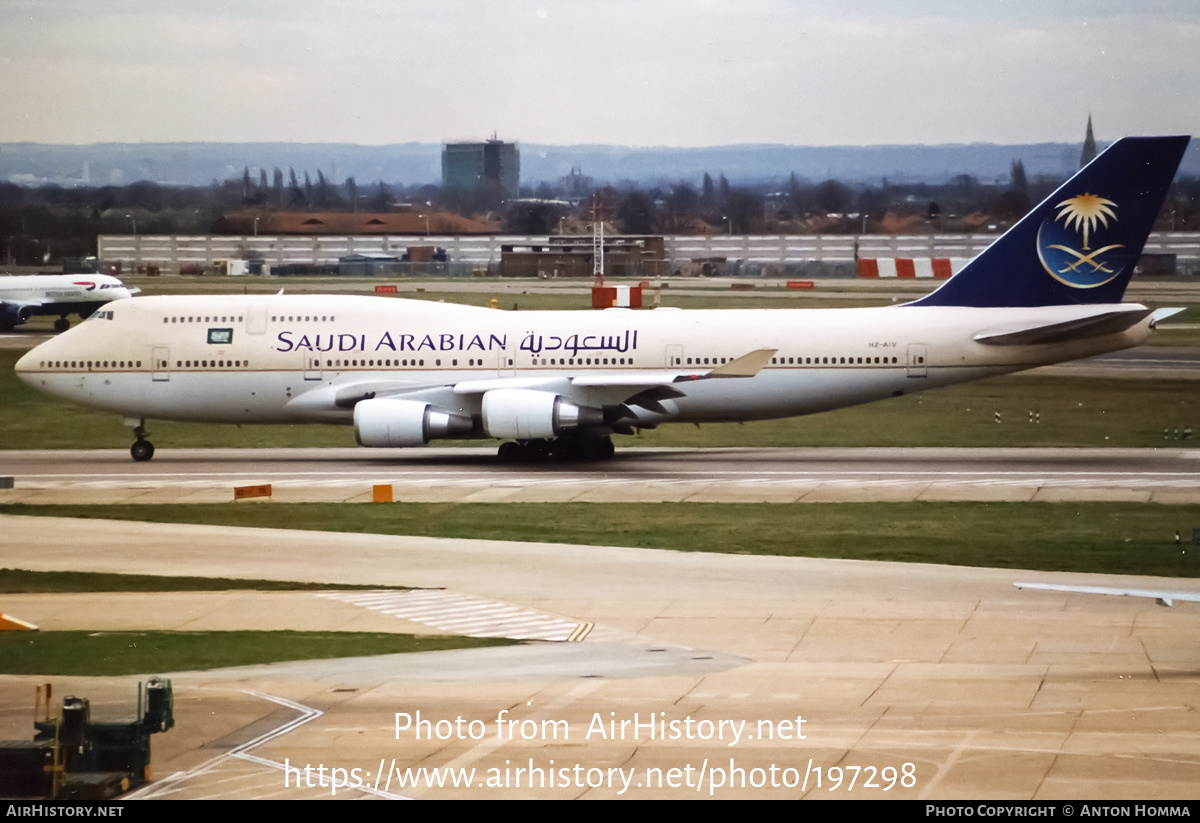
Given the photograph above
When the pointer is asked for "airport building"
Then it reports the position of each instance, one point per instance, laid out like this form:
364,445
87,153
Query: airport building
574,256
471,166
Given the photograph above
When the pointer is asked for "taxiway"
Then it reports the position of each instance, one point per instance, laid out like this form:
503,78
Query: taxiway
1168,475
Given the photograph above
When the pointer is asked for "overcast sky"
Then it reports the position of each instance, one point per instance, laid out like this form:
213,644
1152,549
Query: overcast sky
631,72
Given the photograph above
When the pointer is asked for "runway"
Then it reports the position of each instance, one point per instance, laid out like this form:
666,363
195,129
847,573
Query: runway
1170,475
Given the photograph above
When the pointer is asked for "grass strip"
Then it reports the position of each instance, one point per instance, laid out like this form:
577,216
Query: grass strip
90,653
1104,537
22,581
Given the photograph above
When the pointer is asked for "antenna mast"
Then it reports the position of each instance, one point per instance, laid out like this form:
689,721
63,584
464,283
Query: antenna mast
597,241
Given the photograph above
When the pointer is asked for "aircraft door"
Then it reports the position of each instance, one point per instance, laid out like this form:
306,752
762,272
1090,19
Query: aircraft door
507,359
917,367
674,356
312,366
256,317
160,358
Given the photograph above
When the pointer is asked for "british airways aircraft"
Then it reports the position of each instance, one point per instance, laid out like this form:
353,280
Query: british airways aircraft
23,296
404,372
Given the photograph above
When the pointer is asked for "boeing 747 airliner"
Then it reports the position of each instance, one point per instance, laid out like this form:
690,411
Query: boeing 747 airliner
405,372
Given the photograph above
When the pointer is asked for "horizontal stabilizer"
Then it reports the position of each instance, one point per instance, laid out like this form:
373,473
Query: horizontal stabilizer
1159,315
1097,325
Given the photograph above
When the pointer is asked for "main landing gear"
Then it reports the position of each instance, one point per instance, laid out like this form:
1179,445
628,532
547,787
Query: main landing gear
62,324
142,449
566,449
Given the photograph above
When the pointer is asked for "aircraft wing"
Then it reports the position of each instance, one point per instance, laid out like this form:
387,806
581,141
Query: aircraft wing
747,365
614,388
1164,598
617,387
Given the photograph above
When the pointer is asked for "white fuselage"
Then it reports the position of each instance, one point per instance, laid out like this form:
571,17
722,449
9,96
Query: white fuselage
289,359
51,289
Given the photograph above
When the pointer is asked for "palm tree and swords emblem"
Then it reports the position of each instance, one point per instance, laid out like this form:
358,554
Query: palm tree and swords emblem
1085,268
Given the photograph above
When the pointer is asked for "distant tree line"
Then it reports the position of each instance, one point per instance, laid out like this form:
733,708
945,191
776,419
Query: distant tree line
793,206
52,223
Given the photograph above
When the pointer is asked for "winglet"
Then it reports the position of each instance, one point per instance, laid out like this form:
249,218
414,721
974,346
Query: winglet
747,365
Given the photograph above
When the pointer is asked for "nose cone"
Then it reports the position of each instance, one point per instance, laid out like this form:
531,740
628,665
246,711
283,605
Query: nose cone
31,368
26,365
50,368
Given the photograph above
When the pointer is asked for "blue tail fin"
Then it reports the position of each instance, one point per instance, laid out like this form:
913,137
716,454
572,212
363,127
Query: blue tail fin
1080,244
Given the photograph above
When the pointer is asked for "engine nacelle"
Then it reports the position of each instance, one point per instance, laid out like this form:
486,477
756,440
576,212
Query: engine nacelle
525,414
14,315
384,423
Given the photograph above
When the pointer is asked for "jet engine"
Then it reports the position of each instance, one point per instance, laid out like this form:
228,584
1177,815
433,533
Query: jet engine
525,414
386,423
14,315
